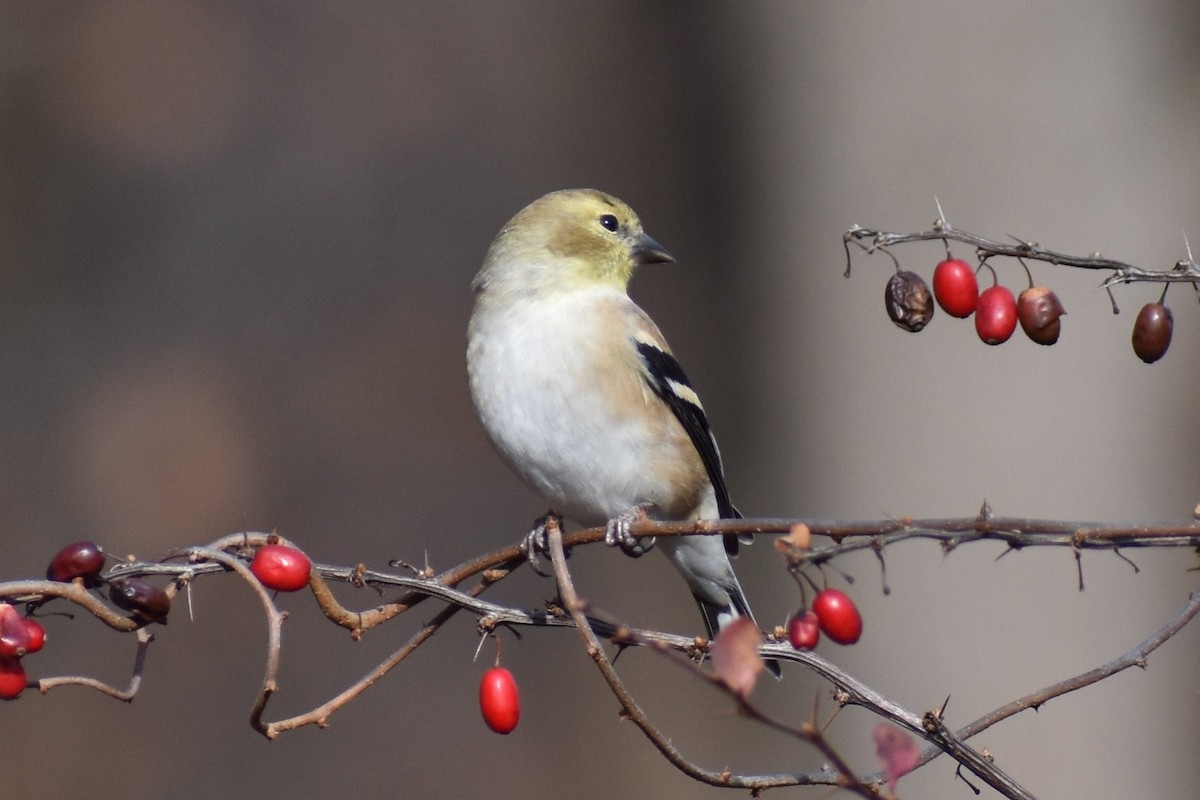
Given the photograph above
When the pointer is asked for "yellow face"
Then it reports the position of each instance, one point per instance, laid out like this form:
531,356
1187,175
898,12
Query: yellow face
569,239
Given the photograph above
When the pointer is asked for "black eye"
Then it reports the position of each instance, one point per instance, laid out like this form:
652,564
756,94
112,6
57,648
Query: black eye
610,222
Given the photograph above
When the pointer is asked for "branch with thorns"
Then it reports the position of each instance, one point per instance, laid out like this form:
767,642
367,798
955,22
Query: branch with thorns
232,553
1185,270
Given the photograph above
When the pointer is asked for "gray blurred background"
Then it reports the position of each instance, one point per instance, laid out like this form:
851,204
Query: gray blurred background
236,241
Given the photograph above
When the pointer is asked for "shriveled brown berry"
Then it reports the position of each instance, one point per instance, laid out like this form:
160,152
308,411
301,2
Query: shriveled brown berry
1152,332
908,300
147,602
1039,310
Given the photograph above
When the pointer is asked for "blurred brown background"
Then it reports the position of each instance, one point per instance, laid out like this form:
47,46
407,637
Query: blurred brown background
235,247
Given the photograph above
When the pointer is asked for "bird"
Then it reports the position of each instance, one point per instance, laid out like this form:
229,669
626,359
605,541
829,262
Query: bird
579,391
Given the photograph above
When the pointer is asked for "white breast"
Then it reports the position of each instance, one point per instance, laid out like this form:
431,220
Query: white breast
533,373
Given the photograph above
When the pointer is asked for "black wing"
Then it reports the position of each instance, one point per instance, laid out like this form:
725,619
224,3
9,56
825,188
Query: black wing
668,380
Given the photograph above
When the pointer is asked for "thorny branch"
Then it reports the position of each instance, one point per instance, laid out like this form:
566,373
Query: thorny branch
841,775
232,553
1185,270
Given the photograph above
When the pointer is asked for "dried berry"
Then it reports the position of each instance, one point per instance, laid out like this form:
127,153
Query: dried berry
908,301
1152,332
147,602
77,560
1040,312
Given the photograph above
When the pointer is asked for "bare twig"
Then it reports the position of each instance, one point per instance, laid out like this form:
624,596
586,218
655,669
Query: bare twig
1135,657
144,638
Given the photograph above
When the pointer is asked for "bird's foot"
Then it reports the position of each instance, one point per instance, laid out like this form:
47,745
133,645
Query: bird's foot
617,532
537,543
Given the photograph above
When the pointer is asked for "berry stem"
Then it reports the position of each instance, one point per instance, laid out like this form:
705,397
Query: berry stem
1028,274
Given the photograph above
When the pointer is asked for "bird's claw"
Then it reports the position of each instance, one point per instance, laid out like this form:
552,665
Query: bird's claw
537,544
618,533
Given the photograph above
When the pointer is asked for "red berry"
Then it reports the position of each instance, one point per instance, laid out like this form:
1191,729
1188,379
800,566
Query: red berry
77,560
147,602
12,678
996,315
14,636
1152,332
955,287
838,616
282,568
804,630
37,635
498,700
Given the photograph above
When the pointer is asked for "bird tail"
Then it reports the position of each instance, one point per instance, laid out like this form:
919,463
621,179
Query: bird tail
716,616
703,563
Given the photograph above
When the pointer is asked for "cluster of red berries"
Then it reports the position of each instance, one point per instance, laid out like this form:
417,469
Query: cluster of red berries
910,304
80,562
833,613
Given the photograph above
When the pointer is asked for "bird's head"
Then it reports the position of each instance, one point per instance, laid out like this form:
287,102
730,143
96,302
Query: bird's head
570,239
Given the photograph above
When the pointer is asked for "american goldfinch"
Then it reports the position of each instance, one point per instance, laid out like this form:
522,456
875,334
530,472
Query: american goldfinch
580,393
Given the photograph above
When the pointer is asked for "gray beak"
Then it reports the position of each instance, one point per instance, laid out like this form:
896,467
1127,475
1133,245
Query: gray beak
648,251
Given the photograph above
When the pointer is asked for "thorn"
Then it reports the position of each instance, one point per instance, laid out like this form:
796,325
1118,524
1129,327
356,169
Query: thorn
1005,552
1188,246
